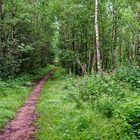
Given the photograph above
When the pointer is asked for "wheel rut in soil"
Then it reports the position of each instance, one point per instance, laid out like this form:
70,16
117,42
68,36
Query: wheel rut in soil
22,128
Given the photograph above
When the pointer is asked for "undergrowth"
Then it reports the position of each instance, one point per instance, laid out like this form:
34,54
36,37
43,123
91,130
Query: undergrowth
101,107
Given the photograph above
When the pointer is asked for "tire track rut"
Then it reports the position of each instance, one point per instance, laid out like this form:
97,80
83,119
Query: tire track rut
22,128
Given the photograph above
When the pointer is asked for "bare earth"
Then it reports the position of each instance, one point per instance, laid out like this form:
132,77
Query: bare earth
22,128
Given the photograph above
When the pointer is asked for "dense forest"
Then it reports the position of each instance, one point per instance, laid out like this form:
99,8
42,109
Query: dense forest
93,49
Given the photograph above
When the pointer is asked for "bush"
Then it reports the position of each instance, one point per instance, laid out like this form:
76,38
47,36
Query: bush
130,75
130,111
89,87
114,96
3,86
106,105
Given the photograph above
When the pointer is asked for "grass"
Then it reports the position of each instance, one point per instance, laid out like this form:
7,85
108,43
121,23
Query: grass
13,93
10,101
64,116
103,109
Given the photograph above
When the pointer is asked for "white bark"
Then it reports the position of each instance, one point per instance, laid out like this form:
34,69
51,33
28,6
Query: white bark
99,68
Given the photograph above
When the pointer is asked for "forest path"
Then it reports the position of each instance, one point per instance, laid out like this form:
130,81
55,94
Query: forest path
21,128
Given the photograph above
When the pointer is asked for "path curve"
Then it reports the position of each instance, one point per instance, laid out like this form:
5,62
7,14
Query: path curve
21,128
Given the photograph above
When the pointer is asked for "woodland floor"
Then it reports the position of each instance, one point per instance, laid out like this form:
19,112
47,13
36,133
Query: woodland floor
22,128
57,111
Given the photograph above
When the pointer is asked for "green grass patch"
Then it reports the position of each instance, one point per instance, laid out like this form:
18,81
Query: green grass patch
73,110
11,99
99,108
13,93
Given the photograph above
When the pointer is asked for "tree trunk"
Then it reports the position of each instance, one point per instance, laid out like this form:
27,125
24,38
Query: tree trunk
13,16
138,52
99,67
1,22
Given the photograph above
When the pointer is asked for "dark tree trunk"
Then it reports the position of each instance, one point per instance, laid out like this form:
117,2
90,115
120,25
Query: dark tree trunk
1,22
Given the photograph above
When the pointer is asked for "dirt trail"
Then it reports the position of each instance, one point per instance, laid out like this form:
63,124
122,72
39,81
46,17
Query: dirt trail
21,128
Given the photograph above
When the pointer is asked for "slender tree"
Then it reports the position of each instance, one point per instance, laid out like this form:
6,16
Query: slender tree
1,21
99,67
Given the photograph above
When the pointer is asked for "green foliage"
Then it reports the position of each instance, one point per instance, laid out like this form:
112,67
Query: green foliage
118,24
40,72
60,73
130,75
13,92
11,99
25,37
26,79
106,104
33,32
130,111
93,87
88,108
115,96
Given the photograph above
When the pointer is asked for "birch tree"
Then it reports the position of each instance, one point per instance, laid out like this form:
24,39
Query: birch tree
99,67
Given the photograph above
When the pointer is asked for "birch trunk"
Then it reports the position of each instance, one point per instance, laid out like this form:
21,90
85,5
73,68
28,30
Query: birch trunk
99,68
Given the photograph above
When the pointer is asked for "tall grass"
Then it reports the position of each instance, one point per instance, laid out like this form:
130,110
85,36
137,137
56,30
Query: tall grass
101,108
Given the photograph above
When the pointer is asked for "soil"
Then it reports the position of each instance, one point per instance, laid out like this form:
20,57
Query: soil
22,127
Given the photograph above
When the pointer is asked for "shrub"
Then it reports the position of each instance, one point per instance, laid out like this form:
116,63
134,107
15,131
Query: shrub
93,88
130,111
114,96
106,105
130,75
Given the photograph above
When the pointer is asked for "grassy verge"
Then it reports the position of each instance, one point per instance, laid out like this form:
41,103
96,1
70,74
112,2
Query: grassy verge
10,102
13,93
101,109
54,109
